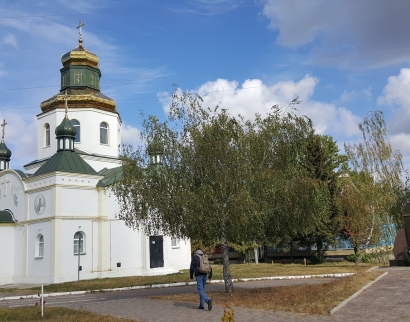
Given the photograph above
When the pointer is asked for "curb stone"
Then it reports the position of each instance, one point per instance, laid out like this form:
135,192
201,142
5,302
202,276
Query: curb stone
35,296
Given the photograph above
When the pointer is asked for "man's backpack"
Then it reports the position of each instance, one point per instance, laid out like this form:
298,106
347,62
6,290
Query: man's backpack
204,265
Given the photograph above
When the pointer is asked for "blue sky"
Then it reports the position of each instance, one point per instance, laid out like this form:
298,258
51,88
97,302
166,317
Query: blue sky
343,58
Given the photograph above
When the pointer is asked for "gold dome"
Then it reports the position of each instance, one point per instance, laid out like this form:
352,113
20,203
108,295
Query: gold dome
80,56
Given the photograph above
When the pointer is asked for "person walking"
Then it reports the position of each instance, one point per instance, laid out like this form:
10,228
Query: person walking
201,268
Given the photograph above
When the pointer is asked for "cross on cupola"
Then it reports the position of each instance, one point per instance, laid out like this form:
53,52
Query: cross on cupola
5,153
66,97
80,25
3,125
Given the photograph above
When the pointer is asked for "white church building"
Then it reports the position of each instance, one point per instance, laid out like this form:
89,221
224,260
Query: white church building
59,216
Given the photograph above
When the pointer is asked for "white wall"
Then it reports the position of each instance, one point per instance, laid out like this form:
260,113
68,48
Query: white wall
179,256
39,267
79,202
12,193
90,120
69,261
125,247
19,251
7,258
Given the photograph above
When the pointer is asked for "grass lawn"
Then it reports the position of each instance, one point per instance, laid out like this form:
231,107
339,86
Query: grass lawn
33,314
237,271
300,299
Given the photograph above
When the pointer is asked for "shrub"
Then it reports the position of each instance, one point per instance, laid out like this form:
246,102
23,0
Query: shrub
353,257
314,260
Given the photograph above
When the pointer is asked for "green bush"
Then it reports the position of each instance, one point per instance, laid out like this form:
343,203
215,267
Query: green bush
353,257
315,260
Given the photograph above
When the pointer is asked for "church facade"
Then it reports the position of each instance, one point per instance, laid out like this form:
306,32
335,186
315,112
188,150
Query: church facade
58,217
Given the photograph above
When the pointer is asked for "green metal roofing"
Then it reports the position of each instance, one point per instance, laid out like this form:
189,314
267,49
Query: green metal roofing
67,161
21,174
110,176
66,128
6,217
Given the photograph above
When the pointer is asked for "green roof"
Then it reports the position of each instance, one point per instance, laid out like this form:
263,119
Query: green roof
21,174
6,217
110,176
67,161
5,152
66,128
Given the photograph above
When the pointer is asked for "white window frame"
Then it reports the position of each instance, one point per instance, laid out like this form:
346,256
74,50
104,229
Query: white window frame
76,241
47,135
104,127
39,246
175,242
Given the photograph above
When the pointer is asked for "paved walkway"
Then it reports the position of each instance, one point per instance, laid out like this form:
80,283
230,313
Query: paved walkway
386,300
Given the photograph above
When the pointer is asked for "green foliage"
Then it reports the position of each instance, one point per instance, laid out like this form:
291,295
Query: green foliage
373,194
223,179
353,258
315,260
323,163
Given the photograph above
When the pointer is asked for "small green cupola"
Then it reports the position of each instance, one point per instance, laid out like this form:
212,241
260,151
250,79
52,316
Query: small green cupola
155,150
65,134
5,152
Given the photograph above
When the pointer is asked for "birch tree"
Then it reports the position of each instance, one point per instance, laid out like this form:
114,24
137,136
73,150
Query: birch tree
222,179
371,192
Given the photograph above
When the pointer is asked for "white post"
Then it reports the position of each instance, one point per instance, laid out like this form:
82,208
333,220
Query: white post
42,301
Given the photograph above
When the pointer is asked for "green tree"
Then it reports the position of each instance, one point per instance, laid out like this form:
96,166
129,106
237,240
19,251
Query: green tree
221,179
202,189
373,190
324,163
293,202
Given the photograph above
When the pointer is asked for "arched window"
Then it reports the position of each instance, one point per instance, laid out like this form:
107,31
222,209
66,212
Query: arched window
40,246
103,133
76,124
79,241
46,135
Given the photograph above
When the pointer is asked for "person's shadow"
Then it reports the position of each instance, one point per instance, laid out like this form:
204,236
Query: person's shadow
186,304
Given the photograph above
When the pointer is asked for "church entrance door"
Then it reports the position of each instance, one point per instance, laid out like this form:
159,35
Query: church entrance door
156,250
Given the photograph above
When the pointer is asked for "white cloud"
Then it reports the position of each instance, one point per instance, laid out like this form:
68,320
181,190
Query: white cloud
131,135
10,39
397,90
396,93
344,27
20,137
253,96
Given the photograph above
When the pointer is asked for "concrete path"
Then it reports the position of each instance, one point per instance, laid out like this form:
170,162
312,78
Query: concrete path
386,300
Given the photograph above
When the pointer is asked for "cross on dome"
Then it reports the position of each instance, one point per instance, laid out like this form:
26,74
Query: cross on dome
80,25
3,125
66,97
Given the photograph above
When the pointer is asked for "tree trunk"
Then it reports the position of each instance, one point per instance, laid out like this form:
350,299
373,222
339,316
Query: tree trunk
359,259
366,245
265,253
226,267
291,252
319,247
256,255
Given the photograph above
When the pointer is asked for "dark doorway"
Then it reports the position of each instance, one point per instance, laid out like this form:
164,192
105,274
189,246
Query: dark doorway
156,251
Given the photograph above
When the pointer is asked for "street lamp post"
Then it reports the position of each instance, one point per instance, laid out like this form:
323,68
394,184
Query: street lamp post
79,254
